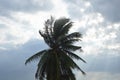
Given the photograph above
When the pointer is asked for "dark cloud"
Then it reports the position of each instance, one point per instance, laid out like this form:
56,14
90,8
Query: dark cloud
109,9
8,6
12,61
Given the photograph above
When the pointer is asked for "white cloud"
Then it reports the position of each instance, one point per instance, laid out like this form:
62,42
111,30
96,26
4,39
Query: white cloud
14,33
98,34
21,26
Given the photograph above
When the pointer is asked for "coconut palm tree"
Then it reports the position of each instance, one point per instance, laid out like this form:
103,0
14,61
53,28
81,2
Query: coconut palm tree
56,63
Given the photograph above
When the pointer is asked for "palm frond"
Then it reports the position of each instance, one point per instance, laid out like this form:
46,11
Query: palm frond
35,56
69,62
66,28
70,47
73,35
66,72
40,73
71,74
73,55
70,41
48,40
47,34
58,25
42,64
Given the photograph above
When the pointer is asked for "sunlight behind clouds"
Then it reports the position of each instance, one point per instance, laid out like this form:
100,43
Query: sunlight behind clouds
87,4
95,28
97,20
22,26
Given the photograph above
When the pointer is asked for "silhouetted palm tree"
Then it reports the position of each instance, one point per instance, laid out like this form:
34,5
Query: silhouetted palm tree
56,63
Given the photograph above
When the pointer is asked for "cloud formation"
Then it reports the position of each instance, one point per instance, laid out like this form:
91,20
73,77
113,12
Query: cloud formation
8,7
97,20
109,9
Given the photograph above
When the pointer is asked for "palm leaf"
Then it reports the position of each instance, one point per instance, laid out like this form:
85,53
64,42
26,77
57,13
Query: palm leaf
70,41
72,55
40,73
70,47
66,72
58,25
42,64
66,28
69,62
35,56
73,35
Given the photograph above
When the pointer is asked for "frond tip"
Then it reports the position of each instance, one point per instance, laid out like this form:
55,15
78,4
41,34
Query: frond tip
34,57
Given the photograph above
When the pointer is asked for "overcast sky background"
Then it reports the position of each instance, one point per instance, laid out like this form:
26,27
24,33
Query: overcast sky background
97,20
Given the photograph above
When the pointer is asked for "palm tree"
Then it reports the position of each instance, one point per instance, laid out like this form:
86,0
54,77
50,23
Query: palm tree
56,63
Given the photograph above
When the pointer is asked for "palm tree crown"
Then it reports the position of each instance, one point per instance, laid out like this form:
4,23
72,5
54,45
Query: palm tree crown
56,63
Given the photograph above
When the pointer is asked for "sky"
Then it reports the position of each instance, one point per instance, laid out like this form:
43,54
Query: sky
97,20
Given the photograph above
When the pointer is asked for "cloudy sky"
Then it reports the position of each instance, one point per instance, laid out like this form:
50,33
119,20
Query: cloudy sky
97,20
